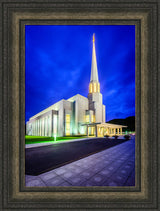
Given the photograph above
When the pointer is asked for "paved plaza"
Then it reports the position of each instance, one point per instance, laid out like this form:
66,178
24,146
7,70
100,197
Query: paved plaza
111,167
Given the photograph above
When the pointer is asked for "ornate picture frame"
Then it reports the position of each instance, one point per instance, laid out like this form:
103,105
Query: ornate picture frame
15,15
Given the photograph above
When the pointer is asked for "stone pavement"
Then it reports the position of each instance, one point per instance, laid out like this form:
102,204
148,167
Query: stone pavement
111,167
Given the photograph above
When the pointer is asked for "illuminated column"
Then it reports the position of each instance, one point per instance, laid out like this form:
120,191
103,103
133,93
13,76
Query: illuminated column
55,125
50,123
114,131
33,128
87,130
46,125
121,130
43,127
36,127
96,130
107,132
67,124
40,127
117,131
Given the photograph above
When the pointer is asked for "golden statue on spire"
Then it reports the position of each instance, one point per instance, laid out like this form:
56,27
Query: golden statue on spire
94,37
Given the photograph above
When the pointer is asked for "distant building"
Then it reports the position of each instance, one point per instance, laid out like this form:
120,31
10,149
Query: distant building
76,115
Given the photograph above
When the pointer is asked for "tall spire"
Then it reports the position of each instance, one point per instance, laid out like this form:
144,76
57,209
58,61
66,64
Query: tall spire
94,85
94,71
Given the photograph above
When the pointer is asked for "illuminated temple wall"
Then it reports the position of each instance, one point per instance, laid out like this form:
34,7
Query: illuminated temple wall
95,104
66,117
79,105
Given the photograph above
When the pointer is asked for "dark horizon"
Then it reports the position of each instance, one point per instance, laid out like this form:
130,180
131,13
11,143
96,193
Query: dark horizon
58,66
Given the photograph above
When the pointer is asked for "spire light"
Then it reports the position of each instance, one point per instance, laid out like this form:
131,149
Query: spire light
94,37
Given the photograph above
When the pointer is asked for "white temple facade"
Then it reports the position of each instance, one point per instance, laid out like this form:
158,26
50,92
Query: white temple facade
77,115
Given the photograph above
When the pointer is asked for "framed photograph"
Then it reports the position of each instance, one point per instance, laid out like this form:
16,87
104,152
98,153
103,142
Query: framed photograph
58,61
75,126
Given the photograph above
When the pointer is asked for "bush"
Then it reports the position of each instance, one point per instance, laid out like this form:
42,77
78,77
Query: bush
106,136
115,136
127,137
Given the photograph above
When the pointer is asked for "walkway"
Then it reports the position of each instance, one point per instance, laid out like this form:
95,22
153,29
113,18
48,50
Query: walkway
111,167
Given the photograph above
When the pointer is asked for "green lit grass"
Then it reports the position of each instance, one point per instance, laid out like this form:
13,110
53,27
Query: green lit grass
44,139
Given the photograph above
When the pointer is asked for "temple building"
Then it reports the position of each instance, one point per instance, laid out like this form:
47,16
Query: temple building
76,115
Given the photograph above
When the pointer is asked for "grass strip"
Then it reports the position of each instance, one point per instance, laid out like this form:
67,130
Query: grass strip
43,139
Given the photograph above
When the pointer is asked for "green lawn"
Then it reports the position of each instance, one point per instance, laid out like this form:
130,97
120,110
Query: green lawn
44,139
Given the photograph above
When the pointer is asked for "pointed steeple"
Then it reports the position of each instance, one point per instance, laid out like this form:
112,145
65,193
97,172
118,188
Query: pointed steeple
94,71
94,85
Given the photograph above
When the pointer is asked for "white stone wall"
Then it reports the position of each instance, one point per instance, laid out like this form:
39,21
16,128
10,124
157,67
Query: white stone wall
67,110
104,114
98,112
81,105
65,107
95,103
97,97
61,119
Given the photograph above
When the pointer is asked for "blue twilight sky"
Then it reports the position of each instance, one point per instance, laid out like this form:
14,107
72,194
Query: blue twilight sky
58,66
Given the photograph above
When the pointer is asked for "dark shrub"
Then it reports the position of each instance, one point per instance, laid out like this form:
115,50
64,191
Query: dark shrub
115,136
127,137
106,136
